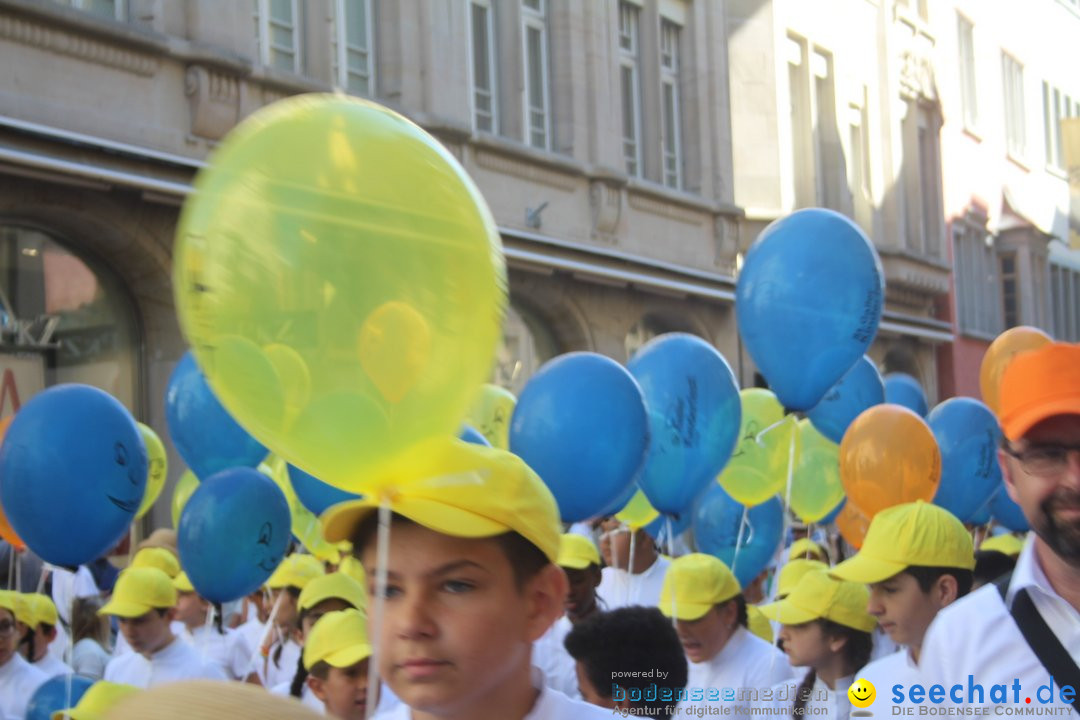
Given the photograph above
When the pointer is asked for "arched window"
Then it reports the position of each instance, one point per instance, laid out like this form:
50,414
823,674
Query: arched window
527,344
64,318
651,325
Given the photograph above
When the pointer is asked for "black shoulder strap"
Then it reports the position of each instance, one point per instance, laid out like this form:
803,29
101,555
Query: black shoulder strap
1040,638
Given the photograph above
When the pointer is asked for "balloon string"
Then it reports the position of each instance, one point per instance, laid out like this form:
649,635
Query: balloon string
44,576
13,568
778,423
131,544
382,562
670,537
630,562
271,630
70,656
743,525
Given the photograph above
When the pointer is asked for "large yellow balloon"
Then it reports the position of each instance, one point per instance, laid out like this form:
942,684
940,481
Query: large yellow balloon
889,456
758,468
815,486
185,486
1005,347
638,512
156,469
341,282
491,413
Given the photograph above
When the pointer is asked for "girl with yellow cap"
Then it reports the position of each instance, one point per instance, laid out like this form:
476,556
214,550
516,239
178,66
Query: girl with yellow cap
224,647
276,658
825,627
18,678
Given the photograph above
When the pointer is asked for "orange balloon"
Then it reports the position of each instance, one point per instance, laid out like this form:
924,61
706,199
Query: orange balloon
889,456
1000,353
852,524
6,531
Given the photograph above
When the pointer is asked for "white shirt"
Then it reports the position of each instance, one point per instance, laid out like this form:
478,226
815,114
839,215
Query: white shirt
58,648
230,651
176,661
89,659
550,705
67,586
18,682
272,674
746,661
549,654
823,702
883,644
51,666
618,588
896,669
253,631
307,697
977,636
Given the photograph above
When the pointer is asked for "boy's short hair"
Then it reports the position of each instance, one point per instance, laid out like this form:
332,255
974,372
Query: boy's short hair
630,639
927,576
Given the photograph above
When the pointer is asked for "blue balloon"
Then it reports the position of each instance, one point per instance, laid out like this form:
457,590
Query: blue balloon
746,548
808,302
831,517
580,423
1008,513
860,388
471,435
72,473
658,528
55,694
968,435
314,494
694,418
902,389
620,502
233,533
203,431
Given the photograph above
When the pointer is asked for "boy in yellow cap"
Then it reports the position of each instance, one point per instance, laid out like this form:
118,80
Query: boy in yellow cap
336,657
706,602
621,584
157,557
472,584
18,678
277,655
917,558
580,560
96,701
825,627
41,633
144,602
222,646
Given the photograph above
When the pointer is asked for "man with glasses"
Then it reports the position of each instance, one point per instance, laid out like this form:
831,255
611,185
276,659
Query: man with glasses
1026,628
630,578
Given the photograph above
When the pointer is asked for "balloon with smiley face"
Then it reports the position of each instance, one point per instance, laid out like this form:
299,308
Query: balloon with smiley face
233,533
73,472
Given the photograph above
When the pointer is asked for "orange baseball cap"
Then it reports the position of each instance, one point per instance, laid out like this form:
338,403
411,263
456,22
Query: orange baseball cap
1037,385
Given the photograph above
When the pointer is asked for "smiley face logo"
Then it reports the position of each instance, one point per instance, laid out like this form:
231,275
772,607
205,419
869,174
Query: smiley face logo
862,693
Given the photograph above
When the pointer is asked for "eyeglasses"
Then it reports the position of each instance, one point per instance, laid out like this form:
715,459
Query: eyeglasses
6,627
1044,459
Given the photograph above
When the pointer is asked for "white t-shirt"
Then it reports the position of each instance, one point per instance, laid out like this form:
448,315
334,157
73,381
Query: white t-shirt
176,661
618,588
549,654
746,661
89,659
550,705
67,585
230,651
823,702
883,644
52,667
18,682
253,632
977,636
896,669
272,674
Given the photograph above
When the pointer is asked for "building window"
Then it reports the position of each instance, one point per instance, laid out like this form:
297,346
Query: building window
1065,302
828,153
1012,74
110,9
537,102
63,318
921,194
1056,107
978,305
802,148
276,34
817,152
351,47
629,80
1010,296
671,110
859,168
482,36
966,41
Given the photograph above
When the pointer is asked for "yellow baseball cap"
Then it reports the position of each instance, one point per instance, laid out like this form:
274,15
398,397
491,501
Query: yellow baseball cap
819,596
577,552
463,490
339,639
790,575
159,558
138,591
7,602
351,566
296,571
335,585
1006,544
182,583
806,548
694,584
42,610
96,701
758,624
911,534
24,611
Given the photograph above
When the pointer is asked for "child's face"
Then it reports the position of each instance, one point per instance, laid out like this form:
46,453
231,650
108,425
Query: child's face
147,633
344,691
704,638
190,609
456,631
581,599
902,609
807,645
9,635
314,614
287,612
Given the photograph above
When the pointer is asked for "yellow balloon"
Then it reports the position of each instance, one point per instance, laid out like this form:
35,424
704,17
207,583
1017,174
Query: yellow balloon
185,486
156,469
335,232
491,413
815,485
758,468
638,512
